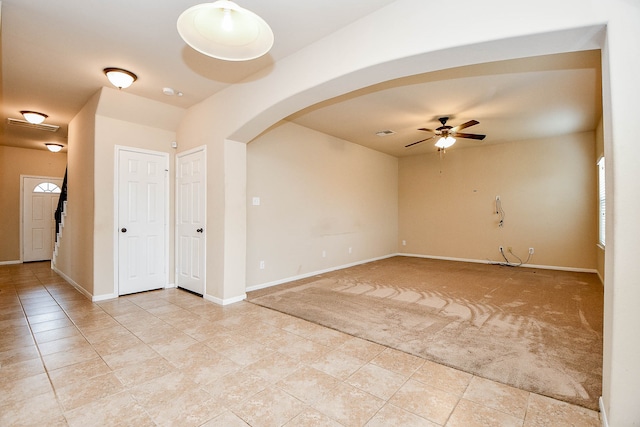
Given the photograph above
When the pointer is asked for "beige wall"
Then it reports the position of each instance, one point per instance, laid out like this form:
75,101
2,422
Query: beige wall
317,193
13,163
447,205
75,252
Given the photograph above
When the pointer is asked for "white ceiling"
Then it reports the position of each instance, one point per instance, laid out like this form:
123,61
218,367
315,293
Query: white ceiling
53,53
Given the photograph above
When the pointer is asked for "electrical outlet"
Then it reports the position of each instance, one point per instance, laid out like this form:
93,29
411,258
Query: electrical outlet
350,250
324,254
530,251
261,265
500,248
497,198
404,243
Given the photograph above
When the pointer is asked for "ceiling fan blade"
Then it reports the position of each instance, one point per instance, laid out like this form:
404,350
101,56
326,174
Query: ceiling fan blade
469,135
428,130
418,142
464,125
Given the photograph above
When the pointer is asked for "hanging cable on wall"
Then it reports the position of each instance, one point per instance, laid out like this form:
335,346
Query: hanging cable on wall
500,211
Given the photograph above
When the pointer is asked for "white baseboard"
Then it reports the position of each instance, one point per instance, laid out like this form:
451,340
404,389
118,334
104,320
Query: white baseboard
226,301
103,297
485,261
603,413
10,262
80,289
170,286
314,273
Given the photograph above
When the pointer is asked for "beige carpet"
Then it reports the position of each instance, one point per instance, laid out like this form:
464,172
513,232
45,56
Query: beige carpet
538,330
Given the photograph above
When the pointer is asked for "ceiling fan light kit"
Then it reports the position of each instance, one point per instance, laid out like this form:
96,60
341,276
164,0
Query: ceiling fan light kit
120,78
33,117
447,134
226,31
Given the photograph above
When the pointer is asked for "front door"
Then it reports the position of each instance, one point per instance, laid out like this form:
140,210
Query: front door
142,220
190,220
40,199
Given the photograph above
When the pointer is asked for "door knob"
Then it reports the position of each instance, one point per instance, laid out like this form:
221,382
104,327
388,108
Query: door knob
199,230
124,230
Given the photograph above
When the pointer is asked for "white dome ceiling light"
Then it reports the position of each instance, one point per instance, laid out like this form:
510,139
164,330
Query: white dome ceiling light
33,117
120,78
226,31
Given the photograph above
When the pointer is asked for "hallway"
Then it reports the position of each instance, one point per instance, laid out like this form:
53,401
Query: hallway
171,358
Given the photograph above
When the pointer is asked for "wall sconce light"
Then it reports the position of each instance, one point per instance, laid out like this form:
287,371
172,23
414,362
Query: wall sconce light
54,148
33,117
120,78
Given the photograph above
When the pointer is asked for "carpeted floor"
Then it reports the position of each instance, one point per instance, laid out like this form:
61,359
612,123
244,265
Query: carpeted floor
537,330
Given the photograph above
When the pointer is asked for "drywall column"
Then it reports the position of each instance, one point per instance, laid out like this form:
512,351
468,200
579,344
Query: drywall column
621,66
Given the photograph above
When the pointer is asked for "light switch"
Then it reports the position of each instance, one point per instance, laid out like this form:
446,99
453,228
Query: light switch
256,201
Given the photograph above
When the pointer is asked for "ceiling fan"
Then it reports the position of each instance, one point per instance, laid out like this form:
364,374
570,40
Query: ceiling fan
449,134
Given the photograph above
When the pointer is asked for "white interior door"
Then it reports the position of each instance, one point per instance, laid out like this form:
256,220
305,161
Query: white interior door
190,220
142,216
40,200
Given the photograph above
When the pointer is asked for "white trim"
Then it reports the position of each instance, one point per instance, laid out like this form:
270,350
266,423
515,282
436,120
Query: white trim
225,301
484,261
314,273
170,286
69,280
176,246
603,413
104,297
116,195
17,261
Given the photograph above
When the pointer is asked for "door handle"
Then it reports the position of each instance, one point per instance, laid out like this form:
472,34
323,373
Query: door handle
124,230
199,230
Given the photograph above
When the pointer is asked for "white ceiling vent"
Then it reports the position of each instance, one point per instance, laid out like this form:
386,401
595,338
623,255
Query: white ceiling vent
25,124
385,132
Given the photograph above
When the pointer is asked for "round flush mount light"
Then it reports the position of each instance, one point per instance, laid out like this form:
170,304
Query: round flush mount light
33,117
226,31
54,148
120,78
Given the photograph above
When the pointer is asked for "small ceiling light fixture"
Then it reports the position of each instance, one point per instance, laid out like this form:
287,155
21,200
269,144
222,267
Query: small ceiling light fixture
226,31
54,148
33,117
445,142
120,78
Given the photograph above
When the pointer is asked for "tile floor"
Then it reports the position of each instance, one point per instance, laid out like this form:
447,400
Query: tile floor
171,358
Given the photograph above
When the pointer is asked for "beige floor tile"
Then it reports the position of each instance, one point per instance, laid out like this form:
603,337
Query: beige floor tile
21,369
38,410
39,318
398,361
51,324
202,364
247,352
68,358
309,417
308,384
130,356
270,407
391,415
222,338
348,405
304,350
426,401
470,414
83,392
546,412
234,388
376,381
192,407
75,342
176,341
23,389
78,372
139,373
56,334
19,354
338,364
226,419
443,377
361,349
115,410
273,367
498,396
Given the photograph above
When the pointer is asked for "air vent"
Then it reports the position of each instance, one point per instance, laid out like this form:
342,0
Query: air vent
25,124
385,132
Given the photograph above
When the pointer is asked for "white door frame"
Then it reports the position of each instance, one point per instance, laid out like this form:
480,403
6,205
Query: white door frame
116,194
22,177
202,148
